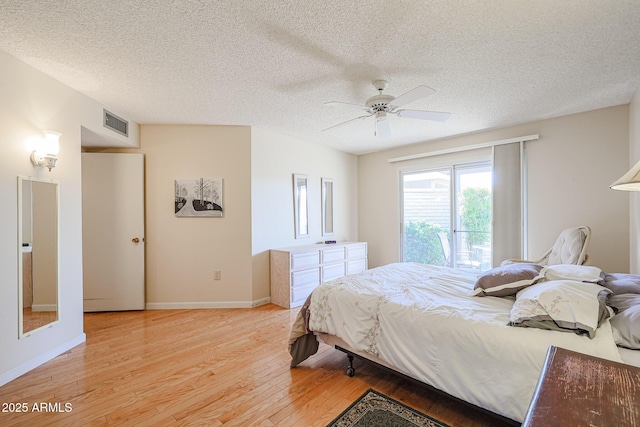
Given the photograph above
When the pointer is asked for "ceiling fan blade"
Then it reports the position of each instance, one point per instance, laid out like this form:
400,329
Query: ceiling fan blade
345,104
413,95
382,126
347,122
425,115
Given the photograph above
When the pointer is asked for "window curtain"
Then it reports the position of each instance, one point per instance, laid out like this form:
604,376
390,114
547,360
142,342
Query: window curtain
509,202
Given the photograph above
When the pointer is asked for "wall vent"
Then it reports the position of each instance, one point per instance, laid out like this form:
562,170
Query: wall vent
116,124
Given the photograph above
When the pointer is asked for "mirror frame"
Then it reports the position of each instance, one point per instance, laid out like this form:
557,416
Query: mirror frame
301,205
328,187
21,180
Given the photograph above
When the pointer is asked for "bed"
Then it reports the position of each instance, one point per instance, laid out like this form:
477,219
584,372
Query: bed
452,331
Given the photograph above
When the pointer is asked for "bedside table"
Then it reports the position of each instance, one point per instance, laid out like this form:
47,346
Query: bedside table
575,389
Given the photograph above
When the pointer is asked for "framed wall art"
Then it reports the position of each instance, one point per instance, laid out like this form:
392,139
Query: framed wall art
198,197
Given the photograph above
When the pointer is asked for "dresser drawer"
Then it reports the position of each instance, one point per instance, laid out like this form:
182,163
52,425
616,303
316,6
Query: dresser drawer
333,271
302,284
356,252
331,255
299,295
304,278
304,260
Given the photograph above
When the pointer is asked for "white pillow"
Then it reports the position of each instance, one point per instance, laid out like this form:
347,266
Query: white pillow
581,273
563,305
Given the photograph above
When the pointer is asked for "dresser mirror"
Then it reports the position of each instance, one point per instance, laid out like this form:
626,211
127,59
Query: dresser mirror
327,207
301,205
37,254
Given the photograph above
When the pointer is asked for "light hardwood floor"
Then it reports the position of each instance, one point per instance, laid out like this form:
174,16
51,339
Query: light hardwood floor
205,367
32,320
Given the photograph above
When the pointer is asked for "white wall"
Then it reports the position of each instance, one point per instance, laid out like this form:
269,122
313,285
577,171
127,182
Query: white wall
634,198
32,101
274,159
570,169
257,166
183,253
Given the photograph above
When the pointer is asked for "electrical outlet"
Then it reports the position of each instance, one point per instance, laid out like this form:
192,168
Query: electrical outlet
217,275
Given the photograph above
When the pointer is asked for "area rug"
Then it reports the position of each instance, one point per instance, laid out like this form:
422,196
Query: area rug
374,409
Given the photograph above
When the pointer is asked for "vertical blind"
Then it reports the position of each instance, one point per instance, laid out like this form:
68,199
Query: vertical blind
508,233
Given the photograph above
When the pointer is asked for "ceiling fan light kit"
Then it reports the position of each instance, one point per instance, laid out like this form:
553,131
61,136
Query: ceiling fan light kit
380,105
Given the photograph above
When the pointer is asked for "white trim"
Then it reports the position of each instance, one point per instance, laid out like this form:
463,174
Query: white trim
44,307
110,304
205,304
22,369
400,204
464,148
261,301
524,202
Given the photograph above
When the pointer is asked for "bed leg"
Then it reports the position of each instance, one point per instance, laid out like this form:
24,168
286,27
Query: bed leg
350,370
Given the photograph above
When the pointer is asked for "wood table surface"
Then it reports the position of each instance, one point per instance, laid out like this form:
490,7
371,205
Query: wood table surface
576,389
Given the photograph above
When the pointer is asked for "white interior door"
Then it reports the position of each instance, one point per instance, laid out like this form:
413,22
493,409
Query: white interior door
113,231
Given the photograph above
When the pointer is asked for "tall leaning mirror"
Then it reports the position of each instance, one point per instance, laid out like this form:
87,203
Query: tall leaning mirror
37,254
327,206
301,205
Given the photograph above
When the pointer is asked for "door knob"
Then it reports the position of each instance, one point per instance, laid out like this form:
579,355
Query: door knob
135,240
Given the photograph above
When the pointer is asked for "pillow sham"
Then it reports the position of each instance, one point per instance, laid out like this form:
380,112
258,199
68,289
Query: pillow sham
506,280
581,273
621,283
561,305
626,324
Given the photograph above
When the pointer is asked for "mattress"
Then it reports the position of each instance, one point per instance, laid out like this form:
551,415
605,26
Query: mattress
630,357
422,321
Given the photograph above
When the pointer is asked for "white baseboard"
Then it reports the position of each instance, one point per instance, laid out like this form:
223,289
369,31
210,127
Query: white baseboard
41,359
210,304
44,307
113,304
261,301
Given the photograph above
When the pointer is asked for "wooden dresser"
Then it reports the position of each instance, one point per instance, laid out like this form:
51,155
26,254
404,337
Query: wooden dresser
296,271
575,389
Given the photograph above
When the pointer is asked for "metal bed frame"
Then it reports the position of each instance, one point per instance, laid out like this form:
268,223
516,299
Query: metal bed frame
351,371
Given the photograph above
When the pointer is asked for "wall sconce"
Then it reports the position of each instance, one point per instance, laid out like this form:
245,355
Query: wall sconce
46,152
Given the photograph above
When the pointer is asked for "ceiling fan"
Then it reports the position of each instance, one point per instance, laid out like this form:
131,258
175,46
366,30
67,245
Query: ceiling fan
380,106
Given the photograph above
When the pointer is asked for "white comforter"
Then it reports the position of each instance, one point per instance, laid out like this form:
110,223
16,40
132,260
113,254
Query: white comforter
422,320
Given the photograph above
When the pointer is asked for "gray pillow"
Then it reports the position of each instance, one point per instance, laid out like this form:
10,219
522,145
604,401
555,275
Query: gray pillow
626,324
622,283
506,280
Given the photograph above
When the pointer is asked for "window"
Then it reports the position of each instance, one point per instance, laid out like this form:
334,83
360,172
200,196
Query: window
500,167
446,216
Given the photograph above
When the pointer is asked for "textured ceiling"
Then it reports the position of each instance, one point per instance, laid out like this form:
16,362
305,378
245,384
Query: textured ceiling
272,64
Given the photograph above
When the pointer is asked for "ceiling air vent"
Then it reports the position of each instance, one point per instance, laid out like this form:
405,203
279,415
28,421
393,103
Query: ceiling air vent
116,124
